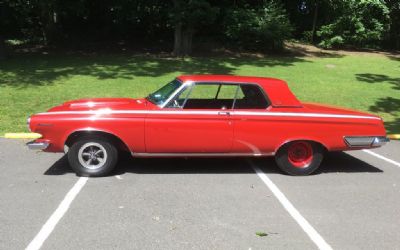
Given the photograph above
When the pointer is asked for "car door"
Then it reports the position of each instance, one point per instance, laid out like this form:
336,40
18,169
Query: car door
253,129
197,120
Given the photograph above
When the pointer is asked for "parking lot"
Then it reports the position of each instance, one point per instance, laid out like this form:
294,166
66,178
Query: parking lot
352,202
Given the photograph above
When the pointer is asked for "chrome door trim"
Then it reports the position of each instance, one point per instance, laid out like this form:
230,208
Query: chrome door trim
201,154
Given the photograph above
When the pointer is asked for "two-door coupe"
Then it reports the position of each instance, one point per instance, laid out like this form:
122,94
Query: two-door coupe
204,116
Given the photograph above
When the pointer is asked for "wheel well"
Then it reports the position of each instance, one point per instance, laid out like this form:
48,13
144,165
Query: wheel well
72,138
308,140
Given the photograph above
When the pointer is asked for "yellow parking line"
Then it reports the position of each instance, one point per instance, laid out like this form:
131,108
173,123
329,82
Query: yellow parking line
22,135
394,136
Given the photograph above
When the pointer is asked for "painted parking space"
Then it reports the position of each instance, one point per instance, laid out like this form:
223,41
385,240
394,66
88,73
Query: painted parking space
352,202
28,193
179,204
391,151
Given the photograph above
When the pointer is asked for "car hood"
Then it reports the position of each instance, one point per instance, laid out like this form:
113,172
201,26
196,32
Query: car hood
102,103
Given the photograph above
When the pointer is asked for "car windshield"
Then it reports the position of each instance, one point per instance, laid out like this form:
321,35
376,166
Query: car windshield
160,96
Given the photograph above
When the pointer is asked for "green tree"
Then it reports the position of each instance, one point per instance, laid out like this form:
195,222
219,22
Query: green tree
393,35
186,17
262,27
359,23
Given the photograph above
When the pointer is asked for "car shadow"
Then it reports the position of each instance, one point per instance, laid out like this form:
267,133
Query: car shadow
341,162
336,162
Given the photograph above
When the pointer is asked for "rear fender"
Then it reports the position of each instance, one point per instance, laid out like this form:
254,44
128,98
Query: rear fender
312,139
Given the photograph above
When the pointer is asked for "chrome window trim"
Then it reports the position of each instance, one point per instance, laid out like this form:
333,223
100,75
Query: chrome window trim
269,103
236,95
187,96
173,95
219,83
192,83
177,96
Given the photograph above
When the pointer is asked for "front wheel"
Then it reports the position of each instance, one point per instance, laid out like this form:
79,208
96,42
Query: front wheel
299,157
92,157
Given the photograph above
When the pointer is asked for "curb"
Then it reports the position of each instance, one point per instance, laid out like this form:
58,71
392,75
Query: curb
22,135
394,136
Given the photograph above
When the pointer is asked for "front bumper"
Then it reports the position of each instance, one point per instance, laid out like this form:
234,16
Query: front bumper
365,141
42,145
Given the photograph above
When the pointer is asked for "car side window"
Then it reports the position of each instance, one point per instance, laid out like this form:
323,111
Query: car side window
180,98
211,96
251,97
203,91
227,91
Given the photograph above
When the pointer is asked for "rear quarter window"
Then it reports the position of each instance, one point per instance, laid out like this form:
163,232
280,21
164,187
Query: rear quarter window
251,97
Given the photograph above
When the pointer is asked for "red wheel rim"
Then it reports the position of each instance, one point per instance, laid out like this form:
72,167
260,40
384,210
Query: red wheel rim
300,154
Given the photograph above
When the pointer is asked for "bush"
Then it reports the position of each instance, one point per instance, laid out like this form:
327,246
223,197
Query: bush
360,23
307,36
263,28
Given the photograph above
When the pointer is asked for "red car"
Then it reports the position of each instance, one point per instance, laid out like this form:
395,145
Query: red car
204,116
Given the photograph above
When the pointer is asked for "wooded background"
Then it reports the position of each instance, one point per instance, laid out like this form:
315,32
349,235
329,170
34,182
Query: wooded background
184,26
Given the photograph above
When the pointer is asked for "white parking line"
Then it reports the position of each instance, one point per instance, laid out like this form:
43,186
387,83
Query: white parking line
382,157
51,223
308,229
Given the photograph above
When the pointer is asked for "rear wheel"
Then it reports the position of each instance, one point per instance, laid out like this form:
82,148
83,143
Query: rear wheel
92,157
299,157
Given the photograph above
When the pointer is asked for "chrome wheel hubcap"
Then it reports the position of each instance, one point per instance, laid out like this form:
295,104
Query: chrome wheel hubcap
92,155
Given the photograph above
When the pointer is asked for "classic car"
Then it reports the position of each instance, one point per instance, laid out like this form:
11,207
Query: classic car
204,116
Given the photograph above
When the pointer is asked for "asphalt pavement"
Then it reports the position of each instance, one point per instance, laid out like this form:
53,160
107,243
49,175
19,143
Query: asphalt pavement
352,202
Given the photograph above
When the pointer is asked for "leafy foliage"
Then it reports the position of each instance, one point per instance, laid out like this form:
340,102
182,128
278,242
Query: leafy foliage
193,13
258,28
186,17
360,24
248,24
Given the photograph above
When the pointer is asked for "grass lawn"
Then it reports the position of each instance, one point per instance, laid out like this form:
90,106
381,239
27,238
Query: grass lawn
34,83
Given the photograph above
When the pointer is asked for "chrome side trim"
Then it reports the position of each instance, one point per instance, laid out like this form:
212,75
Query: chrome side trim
365,141
37,145
208,112
201,154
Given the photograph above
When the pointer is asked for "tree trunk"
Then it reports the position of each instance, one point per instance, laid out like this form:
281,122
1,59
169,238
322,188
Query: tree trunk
3,53
48,22
183,41
314,27
178,40
51,29
187,42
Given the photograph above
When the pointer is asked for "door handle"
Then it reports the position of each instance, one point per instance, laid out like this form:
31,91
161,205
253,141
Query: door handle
224,113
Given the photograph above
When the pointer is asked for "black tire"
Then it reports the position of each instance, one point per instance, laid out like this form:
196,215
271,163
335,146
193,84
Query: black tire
100,164
298,162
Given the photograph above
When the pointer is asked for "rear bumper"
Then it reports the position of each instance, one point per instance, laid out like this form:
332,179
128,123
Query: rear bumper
42,145
365,141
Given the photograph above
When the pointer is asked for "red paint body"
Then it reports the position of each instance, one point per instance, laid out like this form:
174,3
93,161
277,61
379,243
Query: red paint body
147,128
